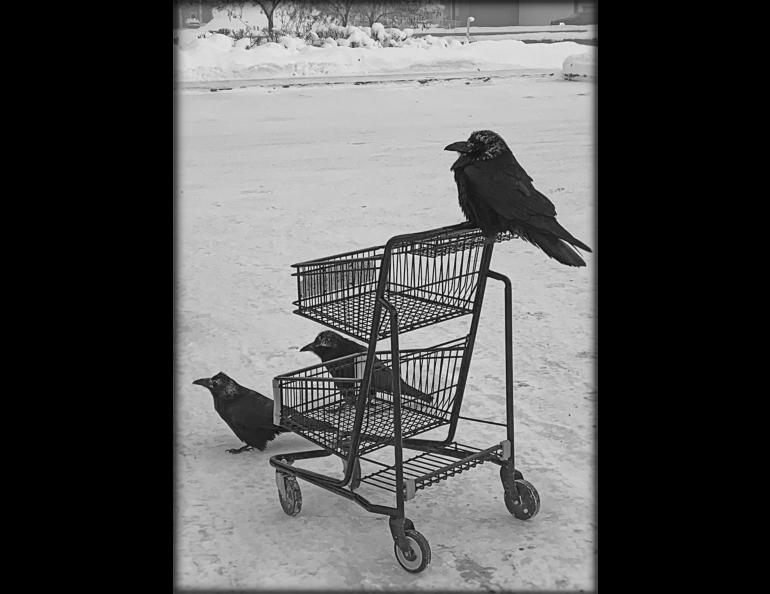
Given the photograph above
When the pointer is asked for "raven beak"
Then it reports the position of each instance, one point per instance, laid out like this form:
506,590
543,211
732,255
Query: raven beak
204,381
308,347
459,147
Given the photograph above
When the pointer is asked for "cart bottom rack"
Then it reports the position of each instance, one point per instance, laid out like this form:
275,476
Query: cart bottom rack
436,461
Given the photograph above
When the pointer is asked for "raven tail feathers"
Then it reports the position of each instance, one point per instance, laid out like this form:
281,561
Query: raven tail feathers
557,248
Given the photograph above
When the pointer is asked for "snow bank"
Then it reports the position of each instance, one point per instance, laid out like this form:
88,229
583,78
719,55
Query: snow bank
250,18
580,66
378,30
187,38
216,58
291,43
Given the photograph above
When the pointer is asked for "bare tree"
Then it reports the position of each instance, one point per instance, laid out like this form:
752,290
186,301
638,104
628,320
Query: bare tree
407,13
298,17
423,13
375,12
268,7
234,10
341,10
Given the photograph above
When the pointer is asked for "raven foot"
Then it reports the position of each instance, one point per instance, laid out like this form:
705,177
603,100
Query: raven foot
245,448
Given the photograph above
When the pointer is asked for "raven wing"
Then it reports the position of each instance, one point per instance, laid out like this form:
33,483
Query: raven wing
503,186
225,416
382,379
251,418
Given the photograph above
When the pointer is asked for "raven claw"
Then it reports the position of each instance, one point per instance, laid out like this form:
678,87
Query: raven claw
239,450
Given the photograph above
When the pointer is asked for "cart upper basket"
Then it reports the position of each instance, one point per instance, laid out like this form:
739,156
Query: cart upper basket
428,277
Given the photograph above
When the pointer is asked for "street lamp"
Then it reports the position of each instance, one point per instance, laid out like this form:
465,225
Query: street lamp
468,29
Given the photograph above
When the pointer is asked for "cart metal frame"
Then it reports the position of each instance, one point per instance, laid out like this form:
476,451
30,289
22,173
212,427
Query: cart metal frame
437,459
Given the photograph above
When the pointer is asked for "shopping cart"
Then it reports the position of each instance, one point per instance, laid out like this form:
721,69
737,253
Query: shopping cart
413,281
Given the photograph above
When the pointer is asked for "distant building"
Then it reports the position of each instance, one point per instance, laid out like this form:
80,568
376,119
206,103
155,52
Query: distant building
191,15
511,13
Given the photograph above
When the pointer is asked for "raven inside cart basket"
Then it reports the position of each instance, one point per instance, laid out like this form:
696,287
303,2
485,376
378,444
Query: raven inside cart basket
413,281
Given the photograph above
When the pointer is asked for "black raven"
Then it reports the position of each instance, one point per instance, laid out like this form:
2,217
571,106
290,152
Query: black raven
248,413
329,345
496,194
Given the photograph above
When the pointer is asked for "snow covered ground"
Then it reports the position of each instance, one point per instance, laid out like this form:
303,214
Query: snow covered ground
218,57
269,177
530,33
543,30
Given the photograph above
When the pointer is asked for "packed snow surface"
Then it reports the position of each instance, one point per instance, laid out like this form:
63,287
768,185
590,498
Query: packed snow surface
270,177
218,57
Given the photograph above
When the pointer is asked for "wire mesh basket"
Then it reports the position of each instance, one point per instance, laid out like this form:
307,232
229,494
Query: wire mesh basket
317,404
348,405
427,278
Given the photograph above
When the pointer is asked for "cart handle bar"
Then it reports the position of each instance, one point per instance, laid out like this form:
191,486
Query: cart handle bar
400,239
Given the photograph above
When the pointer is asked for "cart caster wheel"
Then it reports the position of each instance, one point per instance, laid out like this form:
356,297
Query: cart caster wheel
505,476
418,556
355,481
523,501
290,496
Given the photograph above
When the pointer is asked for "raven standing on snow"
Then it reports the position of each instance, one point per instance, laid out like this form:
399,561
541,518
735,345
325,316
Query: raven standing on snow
248,413
329,345
496,194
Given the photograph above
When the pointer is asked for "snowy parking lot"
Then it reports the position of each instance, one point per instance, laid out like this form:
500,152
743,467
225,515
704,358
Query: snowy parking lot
270,176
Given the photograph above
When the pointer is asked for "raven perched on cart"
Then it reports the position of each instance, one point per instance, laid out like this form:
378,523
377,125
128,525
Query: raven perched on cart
248,413
329,345
497,195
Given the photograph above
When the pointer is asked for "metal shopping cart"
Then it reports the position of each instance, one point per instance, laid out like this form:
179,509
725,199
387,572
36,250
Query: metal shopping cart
413,281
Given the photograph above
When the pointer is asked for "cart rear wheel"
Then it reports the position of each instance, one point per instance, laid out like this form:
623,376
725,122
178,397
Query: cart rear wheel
355,481
418,556
523,501
290,496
